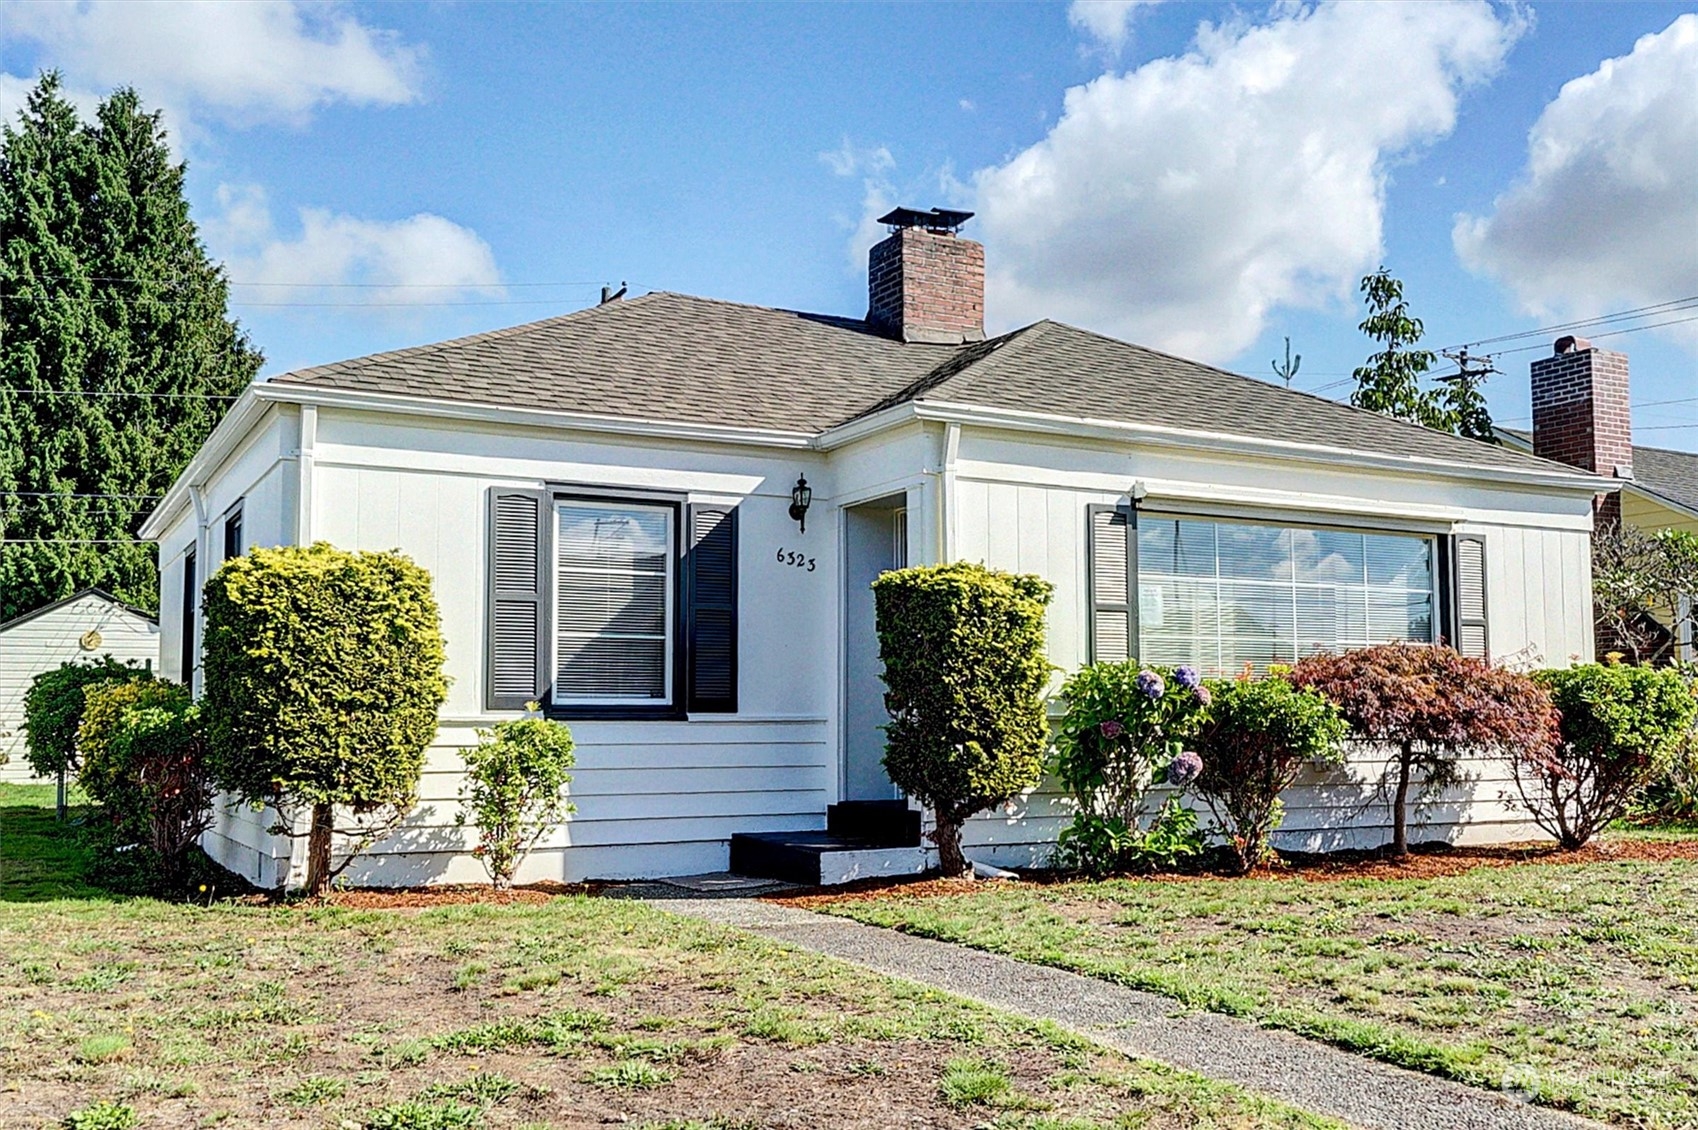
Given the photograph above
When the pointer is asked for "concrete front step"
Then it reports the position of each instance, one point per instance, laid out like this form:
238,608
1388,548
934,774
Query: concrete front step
820,858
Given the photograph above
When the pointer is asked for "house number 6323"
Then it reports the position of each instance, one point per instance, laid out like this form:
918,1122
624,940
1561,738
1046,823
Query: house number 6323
791,557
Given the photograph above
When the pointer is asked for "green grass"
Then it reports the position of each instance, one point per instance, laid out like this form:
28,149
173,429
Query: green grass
580,1011
1575,983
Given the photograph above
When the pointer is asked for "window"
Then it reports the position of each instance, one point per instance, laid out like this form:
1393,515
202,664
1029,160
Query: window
233,533
1224,595
607,607
191,606
615,588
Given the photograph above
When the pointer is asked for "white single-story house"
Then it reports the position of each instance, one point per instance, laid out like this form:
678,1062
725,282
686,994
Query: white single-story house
86,625
612,505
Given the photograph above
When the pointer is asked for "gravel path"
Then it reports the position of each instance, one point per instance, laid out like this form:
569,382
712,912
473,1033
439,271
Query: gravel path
1306,1074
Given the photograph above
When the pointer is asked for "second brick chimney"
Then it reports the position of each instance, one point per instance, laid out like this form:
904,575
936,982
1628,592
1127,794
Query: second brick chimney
1581,414
924,282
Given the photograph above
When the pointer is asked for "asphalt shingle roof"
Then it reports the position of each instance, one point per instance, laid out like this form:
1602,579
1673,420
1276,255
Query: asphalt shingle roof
674,357
1672,474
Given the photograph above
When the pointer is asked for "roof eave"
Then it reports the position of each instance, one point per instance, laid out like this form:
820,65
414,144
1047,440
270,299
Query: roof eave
248,409
1231,444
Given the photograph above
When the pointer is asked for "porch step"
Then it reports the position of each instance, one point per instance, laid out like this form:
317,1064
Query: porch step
890,823
820,858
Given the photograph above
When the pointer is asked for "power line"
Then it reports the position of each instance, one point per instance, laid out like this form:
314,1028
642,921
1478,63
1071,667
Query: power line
373,285
160,301
1611,333
93,392
1636,312
73,494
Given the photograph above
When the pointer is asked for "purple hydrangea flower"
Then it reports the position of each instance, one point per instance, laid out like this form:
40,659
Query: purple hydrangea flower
1203,695
1151,684
1185,769
1111,729
1187,677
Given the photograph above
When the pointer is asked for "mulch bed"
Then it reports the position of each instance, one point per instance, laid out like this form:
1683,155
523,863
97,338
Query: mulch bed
417,898
1426,861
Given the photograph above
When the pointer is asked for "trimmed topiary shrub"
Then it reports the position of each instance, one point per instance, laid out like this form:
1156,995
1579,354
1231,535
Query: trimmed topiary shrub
1622,726
964,671
322,677
1429,705
1258,734
514,791
1125,731
144,760
53,709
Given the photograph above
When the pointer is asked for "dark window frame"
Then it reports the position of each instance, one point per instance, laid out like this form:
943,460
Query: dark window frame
582,711
234,531
188,652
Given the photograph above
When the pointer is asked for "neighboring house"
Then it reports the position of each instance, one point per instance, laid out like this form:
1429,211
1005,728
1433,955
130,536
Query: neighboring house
85,626
611,505
1582,416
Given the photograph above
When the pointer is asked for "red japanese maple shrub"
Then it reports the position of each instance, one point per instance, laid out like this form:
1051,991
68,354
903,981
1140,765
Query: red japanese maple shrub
1429,705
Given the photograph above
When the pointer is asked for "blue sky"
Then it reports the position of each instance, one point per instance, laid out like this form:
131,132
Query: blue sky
1204,178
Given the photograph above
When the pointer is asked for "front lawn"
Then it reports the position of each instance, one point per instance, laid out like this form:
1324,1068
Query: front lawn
570,1012
1574,982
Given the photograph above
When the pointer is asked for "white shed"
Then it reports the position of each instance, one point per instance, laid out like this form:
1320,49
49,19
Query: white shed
87,625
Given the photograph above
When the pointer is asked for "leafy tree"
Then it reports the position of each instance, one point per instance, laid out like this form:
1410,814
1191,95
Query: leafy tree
1429,705
107,292
322,676
54,705
515,790
964,672
1390,383
1622,726
1642,583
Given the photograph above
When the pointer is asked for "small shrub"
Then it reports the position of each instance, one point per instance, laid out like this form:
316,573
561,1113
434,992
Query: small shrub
514,789
323,674
1621,726
144,760
964,672
102,1115
1429,705
1258,734
53,710
1125,728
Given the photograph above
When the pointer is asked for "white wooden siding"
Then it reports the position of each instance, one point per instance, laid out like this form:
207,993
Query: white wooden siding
43,642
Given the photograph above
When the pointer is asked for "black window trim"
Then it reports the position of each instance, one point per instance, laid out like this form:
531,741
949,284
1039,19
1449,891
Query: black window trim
235,515
188,653
678,502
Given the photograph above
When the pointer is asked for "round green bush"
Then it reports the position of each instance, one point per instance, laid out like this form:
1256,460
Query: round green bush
514,790
964,672
53,709
322,676
1621,727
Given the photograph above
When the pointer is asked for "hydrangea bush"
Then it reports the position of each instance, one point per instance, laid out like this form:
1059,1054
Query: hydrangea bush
1125,731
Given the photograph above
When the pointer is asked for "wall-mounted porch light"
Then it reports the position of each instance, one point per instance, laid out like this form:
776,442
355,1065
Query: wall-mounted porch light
801,497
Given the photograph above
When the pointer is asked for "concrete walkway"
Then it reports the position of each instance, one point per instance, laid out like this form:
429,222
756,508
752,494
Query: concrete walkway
1305,1074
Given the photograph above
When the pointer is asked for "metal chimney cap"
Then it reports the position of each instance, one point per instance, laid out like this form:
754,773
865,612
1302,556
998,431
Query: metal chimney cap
938,220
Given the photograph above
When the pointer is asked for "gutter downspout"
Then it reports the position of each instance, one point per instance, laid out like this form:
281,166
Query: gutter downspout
946,491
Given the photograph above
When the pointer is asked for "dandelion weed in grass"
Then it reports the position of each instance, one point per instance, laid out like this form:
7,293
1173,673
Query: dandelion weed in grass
418,1114
102,1116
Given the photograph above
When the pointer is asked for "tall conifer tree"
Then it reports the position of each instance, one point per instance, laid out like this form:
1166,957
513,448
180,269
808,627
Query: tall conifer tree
117,356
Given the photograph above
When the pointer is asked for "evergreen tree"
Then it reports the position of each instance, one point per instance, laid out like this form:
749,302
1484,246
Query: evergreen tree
106,293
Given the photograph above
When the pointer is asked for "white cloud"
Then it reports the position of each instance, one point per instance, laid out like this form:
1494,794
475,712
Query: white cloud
1179,203
1109,22
261,60
390,263
1605,214
874,166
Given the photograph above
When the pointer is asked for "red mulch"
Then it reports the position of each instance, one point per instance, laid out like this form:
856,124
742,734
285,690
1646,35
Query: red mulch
459,894
1428,861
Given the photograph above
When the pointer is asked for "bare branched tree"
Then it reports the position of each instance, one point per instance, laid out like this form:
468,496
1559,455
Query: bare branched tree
1643,588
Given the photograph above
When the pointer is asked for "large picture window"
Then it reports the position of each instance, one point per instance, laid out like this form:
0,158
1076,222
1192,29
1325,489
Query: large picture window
1226,596
615,587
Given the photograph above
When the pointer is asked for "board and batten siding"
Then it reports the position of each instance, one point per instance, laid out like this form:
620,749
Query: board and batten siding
1022,504
42,642
652,797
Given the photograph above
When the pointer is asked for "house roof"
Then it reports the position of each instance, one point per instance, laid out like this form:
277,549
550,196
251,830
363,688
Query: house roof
1659,471
72,599
667,356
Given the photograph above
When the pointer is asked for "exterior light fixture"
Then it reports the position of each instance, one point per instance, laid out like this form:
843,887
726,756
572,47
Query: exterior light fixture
801,497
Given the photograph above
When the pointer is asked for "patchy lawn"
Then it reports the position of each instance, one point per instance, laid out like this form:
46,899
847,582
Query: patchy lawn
1573,982
575,1012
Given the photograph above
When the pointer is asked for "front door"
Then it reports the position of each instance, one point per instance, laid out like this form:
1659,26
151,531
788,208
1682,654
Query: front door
874,540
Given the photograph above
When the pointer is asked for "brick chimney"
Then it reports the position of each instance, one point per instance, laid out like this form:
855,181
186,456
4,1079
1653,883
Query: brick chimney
1581,415
926,283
